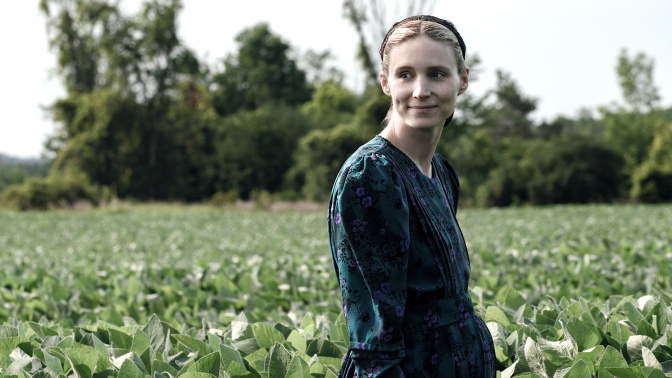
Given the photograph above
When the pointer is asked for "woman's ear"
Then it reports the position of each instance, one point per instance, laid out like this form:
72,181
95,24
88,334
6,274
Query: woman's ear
384,83
464,81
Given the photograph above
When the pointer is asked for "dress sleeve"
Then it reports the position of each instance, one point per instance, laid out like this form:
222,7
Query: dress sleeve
369,238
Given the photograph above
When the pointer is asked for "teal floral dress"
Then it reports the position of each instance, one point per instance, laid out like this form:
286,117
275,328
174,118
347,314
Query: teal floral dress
403,269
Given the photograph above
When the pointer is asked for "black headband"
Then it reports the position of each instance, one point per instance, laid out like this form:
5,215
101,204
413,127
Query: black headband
437,20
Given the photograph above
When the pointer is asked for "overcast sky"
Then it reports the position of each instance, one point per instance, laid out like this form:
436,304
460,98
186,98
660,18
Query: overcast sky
562,52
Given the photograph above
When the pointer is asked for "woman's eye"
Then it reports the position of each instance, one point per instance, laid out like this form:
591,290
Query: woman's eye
405,75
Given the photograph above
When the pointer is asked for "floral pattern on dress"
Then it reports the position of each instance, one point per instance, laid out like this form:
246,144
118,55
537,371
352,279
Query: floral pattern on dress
403,269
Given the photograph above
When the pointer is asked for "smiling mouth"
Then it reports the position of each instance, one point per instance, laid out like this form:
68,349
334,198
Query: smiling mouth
424,107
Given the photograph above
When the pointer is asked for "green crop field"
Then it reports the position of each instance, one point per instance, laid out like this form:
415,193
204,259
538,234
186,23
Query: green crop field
167,291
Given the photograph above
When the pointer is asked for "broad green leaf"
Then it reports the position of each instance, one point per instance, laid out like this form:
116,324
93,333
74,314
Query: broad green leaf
633,314
323,348
545,320
534,356
7,345
120,339
7,331
193,344
297,341
626,372
332,372
248,346
146,358
646,329
297,368
192,374
496,314
154,330
278,361
316,367
667,367
37,329
140,342
283,329
650,359
229,355
591,357
650,372
82,361
133,357
130,370
557,352
238,370
619,332
23,364
512,298
214,342
257,359
240,328
330,361
635,344
207,364
579,370
576,309
103,329
53,364
307,322
612,358
266,335
188,364
103,363
583,334
658,317
163,367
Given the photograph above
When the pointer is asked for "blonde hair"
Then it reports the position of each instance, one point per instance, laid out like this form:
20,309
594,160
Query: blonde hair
417,28
409,30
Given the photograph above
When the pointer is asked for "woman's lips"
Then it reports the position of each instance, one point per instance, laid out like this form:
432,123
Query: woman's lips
422,108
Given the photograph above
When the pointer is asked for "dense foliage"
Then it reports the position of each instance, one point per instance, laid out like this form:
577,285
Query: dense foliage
565,290
144,119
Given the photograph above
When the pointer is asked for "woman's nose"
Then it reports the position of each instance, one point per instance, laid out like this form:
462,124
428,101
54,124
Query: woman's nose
421,88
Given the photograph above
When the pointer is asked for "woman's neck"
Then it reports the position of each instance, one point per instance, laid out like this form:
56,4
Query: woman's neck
418,144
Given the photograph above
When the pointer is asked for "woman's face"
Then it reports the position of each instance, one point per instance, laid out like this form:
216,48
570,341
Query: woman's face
423,82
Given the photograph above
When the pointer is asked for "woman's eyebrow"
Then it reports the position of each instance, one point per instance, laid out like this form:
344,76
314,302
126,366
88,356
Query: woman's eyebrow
413,68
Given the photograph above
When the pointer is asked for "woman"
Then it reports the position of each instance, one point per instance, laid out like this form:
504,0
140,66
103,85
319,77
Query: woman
399,254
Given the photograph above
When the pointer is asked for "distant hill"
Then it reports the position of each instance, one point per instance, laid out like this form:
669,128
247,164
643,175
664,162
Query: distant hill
11,160
14,170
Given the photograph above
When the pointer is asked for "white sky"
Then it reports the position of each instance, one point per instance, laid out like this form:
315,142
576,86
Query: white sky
562,52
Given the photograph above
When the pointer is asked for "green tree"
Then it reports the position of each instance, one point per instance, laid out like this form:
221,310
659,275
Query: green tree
330,105
510,112
652,180
322,152
262,72
254,149
635,76
575,169
630,129
123,77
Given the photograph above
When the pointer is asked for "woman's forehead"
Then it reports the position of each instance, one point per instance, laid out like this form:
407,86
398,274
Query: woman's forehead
422,51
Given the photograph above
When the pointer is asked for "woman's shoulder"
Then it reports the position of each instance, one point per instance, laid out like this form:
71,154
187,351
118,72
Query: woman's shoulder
371,162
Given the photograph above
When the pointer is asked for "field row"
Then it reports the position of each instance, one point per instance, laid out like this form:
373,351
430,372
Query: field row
560,287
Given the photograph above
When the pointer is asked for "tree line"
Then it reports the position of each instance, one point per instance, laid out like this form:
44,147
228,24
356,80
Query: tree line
144,119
